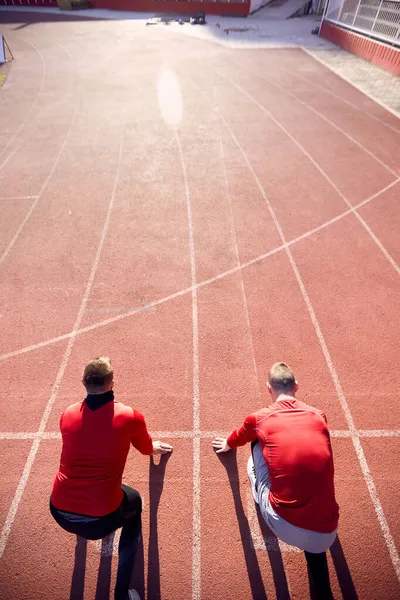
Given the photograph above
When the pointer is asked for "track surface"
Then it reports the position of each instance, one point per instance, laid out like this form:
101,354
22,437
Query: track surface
263,227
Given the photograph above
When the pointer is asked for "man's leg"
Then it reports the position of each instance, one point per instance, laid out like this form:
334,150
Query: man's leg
131,522
318,574
89,528
263,483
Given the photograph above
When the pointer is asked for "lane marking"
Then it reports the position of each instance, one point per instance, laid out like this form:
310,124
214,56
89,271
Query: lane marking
353,84
207,435
20,228
18,198
18,435
378,432
374,196
46,413
37,198
152,305
108,546
196,547
243,291
346,409
314,110
22,124
319,168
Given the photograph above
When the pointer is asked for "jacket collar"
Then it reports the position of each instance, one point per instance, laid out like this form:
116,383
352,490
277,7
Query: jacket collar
95,401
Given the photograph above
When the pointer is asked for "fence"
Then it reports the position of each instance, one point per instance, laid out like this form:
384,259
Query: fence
379,19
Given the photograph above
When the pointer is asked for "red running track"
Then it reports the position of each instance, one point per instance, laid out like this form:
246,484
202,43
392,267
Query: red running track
264,226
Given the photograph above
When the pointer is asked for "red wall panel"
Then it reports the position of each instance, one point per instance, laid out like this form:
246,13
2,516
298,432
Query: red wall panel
381,54
52,3
184,7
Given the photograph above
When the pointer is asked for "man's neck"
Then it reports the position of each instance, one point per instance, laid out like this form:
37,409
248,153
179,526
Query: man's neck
99,393
96,401
280,397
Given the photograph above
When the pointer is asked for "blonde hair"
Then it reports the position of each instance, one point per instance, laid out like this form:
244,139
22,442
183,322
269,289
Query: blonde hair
98,374
281,378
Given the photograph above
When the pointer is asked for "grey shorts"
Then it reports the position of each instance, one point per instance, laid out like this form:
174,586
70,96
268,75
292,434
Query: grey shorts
311,541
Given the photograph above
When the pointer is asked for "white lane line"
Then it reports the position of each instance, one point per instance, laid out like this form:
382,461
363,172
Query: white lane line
18,435
44,186
196,548
18,146
20,228
353,84
379,432
374,196
320,169
243,291
346,409
206,435
27,115
324,118
196,558
378,242
152,305
18,198
37,198
35,446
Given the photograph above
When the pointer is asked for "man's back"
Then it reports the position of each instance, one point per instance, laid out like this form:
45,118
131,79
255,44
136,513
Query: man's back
95,447
296,446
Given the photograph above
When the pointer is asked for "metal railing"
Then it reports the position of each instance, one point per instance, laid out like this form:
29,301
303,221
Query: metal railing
379,19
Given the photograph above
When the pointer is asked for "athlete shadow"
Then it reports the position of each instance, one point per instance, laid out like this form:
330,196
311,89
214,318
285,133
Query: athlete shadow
156,484
253,570
342,571
275,558
78,575
104,573
274,554
271,543
339,561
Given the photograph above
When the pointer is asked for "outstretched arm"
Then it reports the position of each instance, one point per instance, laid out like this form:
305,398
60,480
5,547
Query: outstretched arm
141,439
239,437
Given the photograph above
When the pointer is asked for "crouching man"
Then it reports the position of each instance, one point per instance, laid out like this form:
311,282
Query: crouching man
88,497
291,472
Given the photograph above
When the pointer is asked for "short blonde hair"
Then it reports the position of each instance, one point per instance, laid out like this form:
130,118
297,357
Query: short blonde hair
281,377
98,374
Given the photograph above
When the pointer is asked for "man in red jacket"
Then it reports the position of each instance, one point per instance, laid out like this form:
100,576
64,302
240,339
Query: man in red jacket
88,497
291,472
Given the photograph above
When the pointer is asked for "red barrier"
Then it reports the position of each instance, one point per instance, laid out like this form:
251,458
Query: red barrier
380,54
52,3
183,7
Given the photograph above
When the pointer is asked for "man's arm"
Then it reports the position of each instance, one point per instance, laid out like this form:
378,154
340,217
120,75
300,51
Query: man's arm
141,439
238,437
